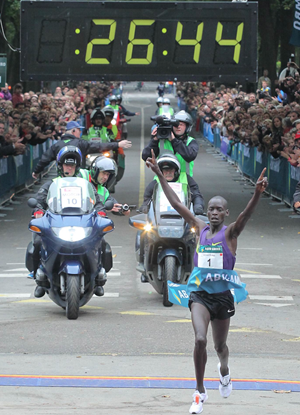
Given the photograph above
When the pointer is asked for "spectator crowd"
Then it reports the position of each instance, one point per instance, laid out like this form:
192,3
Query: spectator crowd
266,120
29,118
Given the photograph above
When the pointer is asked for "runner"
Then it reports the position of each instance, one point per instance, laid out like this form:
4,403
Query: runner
212,280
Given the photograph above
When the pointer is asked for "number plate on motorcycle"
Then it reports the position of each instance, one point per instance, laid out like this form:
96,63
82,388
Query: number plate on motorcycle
210,256
164,202
71,197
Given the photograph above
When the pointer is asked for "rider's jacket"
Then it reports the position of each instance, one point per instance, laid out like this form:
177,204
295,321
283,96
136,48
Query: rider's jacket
98,134
85,147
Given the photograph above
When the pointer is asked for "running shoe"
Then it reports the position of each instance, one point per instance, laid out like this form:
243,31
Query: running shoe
225,386
31,275
198,401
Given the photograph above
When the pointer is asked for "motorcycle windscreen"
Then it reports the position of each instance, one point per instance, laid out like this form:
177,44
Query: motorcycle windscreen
163,208
71,196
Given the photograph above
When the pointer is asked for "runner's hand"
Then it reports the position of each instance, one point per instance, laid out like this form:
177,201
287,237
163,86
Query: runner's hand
262,182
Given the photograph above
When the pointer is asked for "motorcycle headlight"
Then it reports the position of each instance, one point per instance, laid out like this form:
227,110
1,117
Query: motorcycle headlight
72,233
170,232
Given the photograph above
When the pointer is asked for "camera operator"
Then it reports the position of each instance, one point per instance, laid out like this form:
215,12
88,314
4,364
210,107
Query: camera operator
178,142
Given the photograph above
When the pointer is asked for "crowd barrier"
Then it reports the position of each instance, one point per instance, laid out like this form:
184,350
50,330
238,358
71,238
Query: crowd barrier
282,177
15,171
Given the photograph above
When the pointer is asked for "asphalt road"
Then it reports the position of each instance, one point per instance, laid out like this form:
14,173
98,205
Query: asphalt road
128,333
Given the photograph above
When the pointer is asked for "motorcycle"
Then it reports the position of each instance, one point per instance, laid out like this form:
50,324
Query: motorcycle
169,242
74,254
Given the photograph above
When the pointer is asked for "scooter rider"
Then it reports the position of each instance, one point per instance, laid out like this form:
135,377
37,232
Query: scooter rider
165,108
97,132
102,174
180,143
68,165
109,123
72,137
159,103
170,168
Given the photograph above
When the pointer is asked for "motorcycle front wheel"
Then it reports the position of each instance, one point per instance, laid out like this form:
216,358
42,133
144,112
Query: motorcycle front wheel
72,297
170,273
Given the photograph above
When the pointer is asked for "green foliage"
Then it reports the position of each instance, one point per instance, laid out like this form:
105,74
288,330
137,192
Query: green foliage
11,19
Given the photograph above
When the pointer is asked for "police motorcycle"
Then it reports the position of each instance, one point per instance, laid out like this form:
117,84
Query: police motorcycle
74,256
168,241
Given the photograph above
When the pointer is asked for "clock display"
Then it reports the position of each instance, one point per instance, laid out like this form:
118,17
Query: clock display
138,41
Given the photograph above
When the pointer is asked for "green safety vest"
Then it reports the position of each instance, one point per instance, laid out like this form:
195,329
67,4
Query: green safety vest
100,133
103,193
165,146
162,110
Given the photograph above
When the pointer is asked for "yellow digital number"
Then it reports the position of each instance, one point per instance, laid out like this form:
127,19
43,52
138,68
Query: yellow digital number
135,42
191,42
231,42
111,36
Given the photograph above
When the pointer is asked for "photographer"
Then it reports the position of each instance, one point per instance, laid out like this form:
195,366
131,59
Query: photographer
178,142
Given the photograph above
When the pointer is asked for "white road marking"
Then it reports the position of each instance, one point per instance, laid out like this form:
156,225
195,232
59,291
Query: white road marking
15,295
261,277
114,247
15,263
16,269
114,274
14,275
111,295
247,263
256,249
21,248
271,297
274,305
119,262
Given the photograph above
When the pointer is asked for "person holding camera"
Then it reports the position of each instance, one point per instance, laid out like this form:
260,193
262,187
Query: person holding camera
178,142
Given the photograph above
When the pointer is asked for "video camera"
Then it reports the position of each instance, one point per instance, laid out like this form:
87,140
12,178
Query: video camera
165,126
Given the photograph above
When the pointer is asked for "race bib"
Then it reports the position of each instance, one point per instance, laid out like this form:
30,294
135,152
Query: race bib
164,202
210,256
71,197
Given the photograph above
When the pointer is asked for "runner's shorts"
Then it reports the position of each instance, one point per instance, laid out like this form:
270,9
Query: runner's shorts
219,305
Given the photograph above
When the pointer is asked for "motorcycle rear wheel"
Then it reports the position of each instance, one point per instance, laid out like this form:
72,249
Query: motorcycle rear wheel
72,297
170,273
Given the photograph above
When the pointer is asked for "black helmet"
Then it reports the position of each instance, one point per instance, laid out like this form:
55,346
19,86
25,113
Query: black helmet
108,111
186,118
169,161
119,98
97,113
112,98
103,163
68,155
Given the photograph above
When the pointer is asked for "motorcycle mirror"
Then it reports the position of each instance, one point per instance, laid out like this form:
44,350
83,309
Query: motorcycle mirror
32,202
109,204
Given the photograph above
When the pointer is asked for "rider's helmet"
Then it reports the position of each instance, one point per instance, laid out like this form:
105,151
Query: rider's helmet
166,101
169,161
103,163
108,111
159,101
112,98
119,98
97,113
187,119
68,155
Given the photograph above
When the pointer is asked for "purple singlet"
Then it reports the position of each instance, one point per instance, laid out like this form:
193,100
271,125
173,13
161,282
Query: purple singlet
228,258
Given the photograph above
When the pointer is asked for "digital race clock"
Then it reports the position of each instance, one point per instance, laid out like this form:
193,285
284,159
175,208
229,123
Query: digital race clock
138,41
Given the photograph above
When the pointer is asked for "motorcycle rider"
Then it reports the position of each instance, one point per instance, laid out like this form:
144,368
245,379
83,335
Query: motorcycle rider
180,143
68,163
159,103
170,168
124,112
97,132
165,108
102,174
72,137
109,123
